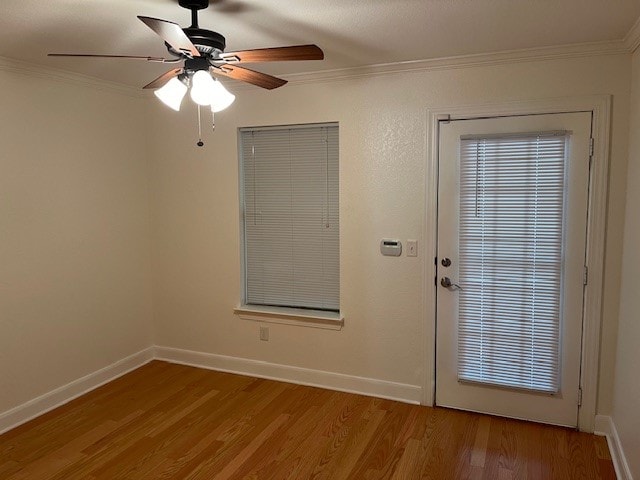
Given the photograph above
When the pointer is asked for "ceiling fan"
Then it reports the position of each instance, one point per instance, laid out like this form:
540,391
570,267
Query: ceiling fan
202,55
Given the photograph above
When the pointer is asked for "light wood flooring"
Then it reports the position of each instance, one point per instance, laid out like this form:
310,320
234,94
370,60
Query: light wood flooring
166,421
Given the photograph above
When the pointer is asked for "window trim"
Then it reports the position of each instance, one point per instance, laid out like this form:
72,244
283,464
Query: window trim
324,319
291,316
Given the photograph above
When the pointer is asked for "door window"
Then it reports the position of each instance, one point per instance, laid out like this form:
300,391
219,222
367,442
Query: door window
510,247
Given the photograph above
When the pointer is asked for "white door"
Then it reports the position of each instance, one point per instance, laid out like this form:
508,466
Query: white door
512,213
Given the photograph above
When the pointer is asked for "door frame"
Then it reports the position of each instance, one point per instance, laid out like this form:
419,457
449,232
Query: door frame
600,108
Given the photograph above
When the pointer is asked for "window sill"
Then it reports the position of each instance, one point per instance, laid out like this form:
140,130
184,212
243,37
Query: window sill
291,316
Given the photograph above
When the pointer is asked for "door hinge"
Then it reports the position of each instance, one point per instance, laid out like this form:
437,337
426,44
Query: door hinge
579,397
591,147
585,275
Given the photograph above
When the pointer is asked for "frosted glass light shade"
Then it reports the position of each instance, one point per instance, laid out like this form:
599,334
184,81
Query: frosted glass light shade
201,86
221,98
172,93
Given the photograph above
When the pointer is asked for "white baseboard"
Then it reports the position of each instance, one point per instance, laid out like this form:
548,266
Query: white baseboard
64,394
604,426
301,376
242,366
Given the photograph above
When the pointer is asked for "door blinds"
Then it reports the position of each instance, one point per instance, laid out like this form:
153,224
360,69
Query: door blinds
291,231
510,240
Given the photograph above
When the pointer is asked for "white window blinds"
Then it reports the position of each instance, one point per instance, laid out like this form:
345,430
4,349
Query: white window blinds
290,206
510,240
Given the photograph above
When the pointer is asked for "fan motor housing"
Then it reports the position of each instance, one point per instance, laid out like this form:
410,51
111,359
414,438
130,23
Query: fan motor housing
207,42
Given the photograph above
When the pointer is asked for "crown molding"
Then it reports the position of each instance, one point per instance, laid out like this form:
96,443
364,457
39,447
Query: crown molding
632,38
619,47
465,61
76,79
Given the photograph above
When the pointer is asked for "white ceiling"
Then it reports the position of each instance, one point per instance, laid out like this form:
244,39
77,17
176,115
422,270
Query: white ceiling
351,32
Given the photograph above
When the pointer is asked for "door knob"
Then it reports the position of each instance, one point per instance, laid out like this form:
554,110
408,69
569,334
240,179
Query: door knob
447,283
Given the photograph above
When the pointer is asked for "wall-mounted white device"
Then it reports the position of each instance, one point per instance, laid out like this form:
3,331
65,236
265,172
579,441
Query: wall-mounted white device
391,248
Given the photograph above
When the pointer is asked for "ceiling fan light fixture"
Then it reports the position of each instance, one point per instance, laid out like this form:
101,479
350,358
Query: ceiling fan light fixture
172,93
221,98
202,84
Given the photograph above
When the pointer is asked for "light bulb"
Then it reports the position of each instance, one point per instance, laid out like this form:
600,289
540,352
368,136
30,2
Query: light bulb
221,98
172,93
201,87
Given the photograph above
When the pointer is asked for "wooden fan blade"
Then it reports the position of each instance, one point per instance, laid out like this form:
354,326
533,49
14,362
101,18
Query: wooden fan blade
250,76
277,54
172,34
132,57
164,78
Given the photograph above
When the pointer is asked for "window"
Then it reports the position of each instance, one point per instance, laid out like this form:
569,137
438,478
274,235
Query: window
290,227
511,235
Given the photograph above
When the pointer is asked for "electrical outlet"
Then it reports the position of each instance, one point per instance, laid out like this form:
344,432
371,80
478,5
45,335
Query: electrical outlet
264,334
412,248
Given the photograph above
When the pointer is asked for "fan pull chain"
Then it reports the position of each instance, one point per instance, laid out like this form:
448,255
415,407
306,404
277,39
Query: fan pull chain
213,120
200,142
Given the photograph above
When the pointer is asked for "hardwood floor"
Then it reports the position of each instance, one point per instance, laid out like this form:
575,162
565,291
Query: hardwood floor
167,421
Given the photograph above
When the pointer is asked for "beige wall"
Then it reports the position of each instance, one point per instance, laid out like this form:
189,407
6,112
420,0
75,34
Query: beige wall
626,415
85,198
75,290
382,167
